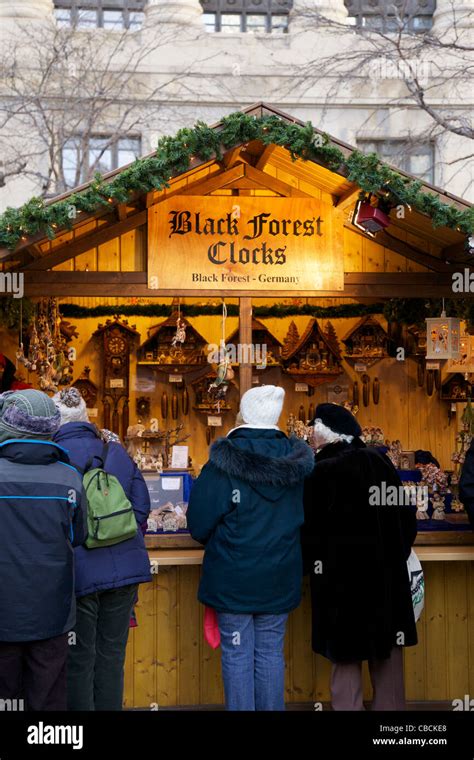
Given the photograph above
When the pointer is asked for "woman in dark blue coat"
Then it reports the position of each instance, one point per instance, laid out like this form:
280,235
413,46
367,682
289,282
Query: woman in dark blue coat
247,508
107,578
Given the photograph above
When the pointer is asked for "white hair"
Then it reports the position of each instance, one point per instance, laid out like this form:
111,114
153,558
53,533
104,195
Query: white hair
325,434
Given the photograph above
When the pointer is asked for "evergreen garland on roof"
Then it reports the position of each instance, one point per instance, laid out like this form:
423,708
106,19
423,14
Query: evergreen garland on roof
173,156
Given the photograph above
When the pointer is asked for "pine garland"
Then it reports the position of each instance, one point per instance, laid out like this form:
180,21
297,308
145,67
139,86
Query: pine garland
173,156
405,311
280,311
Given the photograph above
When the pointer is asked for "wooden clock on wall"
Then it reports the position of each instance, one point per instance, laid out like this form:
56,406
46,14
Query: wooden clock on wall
116,340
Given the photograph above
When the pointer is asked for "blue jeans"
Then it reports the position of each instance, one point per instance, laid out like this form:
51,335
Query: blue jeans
253,664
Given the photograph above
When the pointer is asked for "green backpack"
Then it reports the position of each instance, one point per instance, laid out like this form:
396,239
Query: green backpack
110,515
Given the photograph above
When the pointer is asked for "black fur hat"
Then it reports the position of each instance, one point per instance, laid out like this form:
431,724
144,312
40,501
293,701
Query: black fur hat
338,419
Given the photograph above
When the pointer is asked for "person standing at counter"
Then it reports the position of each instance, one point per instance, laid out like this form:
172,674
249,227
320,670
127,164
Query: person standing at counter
107,577
42,516
355,548
466,483
246,507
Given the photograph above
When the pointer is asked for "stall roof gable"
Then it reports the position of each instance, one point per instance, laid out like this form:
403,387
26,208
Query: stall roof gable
243,165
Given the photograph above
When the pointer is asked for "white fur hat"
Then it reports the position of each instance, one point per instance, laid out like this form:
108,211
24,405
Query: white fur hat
71,405
262,405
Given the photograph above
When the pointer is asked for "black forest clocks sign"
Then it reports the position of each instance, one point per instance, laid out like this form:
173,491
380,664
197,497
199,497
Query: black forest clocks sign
245,244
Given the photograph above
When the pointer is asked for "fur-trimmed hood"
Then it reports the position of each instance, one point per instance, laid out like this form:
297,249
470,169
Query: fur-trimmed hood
258,469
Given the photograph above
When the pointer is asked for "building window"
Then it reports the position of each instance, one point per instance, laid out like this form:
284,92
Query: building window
381,15
108,14
98,153
414,158
263,16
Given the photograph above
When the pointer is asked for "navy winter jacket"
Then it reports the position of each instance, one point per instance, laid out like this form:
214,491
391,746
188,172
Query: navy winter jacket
109,567
42,516
247,508
466,484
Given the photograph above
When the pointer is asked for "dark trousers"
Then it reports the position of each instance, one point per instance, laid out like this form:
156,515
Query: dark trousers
35,671
97,657
387,683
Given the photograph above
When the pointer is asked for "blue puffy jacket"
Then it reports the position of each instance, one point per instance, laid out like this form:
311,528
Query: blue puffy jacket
247,508
123,564
42,516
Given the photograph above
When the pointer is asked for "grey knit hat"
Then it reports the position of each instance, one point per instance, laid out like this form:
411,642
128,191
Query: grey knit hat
71,405
27,414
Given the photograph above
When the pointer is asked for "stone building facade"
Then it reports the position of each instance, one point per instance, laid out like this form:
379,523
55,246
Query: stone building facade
205,59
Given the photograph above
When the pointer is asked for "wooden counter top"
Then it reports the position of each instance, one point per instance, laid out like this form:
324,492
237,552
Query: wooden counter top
449,553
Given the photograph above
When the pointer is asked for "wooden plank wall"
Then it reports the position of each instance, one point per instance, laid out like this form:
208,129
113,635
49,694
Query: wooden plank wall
169,663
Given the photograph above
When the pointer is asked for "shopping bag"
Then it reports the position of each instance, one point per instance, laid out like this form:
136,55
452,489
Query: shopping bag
211,629
417,584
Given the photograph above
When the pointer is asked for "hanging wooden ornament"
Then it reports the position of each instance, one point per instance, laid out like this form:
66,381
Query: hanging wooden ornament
185,401
429,382
366,389
420,374
302,414
174,406
116,420
376,390
437,379
107,415
311,412
355,393
125,418
208,435
164,405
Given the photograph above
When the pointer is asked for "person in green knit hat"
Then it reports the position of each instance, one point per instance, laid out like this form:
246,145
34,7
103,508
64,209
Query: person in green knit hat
42,516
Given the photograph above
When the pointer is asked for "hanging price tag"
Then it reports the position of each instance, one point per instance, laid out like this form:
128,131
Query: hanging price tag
360,367
214,421
175,378
432,365
301,387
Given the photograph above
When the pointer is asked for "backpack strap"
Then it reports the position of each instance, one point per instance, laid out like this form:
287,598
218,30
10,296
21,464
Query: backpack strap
105,453
89,463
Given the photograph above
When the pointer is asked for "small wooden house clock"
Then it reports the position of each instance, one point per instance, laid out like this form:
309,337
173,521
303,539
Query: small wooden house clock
366,343
314,358
116,342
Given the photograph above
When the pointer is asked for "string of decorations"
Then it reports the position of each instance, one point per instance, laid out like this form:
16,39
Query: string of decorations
174,155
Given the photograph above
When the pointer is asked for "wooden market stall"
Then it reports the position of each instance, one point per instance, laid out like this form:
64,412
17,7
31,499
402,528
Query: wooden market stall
137,261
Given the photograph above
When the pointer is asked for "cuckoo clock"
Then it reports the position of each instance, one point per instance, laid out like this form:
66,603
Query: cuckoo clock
87,388
174,346
116,342
210,398
456,389
366,343
416,349
263,352
314,358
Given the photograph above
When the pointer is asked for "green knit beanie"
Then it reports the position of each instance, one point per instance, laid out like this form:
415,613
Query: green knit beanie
28,414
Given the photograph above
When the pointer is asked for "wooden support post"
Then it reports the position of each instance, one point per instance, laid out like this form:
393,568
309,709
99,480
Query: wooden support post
245,338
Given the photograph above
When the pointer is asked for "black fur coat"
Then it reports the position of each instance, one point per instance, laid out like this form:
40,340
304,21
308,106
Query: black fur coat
356,555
